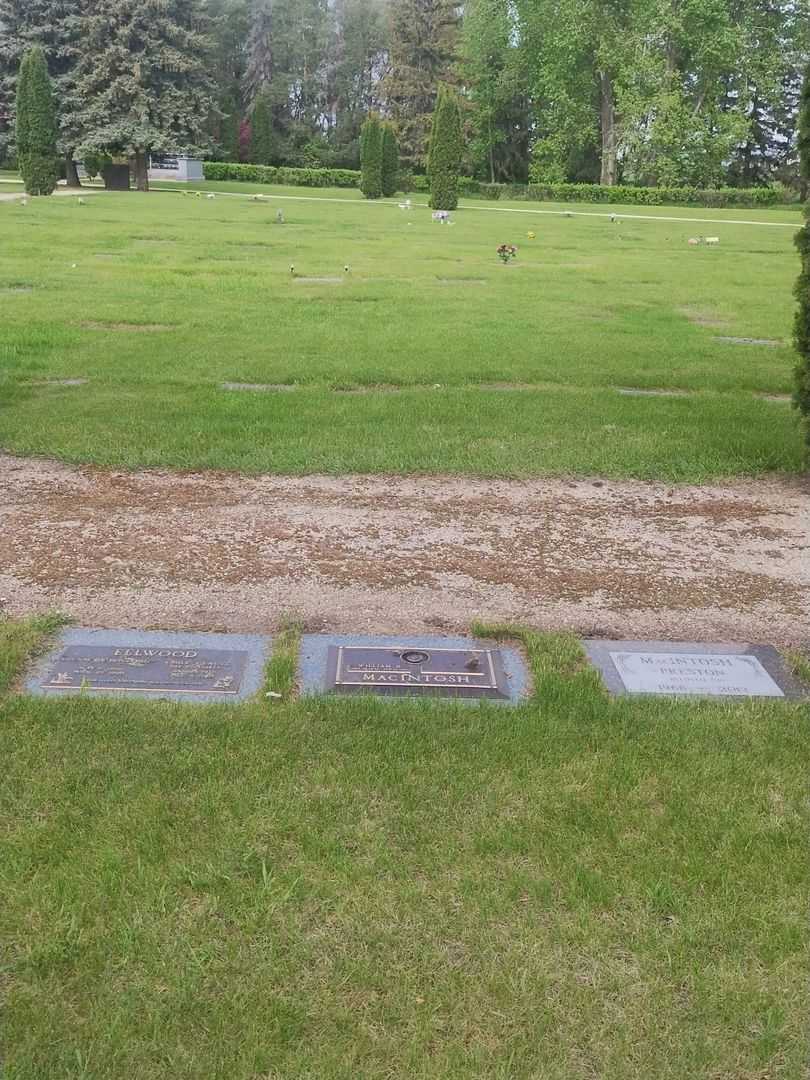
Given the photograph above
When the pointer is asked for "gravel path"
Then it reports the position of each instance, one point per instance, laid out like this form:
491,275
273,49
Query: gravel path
220,552
10,196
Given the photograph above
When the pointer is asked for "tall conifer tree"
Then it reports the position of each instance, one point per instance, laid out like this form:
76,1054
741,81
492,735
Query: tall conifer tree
371,158
801,394
446,149
804,135
390,161
161,99
262,149
52,25
424,35
36,128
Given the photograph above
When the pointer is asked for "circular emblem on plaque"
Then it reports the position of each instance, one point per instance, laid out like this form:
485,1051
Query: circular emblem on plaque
415,657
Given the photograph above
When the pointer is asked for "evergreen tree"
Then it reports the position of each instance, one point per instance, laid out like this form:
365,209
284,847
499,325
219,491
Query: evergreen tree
229,22
371,157
260,68
390,161
446,149
801,394
804,136
355,66
161,99
36,125
261,130
227,129
288,49
423,42
50,24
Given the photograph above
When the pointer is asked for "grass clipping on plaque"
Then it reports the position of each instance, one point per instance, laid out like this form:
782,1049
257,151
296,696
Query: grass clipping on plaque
344,888
587,307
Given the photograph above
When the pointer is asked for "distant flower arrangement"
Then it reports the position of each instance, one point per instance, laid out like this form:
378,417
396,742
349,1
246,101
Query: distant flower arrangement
506,252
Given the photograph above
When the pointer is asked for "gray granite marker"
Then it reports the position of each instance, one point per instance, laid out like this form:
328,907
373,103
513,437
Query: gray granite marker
692,668
434,667
152,664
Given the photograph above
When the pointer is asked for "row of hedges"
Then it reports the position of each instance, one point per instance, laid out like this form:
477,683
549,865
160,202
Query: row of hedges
655,196
741,198
624,194
281,174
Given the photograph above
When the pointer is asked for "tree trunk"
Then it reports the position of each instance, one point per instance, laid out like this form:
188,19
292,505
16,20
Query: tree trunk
141,170
608,113
71,173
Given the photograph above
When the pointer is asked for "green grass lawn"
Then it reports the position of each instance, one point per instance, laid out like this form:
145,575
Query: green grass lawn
580,887
458,364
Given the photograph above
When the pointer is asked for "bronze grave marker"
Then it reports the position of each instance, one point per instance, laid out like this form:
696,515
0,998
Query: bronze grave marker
414,671
144,669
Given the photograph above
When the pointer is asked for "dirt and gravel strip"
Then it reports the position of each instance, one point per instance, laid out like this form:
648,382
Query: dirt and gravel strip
10,196
221,552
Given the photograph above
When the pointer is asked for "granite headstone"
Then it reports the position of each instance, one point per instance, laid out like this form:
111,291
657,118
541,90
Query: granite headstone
692,668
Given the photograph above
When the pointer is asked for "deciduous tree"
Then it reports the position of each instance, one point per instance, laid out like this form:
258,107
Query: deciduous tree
494,73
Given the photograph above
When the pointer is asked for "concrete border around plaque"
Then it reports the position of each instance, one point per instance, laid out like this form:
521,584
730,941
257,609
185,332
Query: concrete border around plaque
695,669
412,666
152,664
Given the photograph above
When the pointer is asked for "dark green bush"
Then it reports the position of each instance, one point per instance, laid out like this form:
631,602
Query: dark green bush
801,330
36,127
803,135
371,158
416,182
739,198
390,161
261,130
801,333
95,164
653,196
444,154
271,174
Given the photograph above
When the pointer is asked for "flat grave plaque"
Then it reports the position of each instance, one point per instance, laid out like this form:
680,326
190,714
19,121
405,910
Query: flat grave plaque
118,667
693,673
418,666
473,672
687,668
153,664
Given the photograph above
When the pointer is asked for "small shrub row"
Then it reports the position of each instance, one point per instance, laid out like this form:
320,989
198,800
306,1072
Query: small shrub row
624,193
741,198
657,196
281,174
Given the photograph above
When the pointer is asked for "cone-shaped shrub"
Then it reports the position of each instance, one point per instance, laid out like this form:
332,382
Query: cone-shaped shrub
444,157
371,158
801,395
261,131
36,125
390,162
804,135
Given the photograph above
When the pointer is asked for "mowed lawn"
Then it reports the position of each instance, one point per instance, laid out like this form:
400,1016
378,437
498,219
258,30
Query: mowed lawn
426,356
581,887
